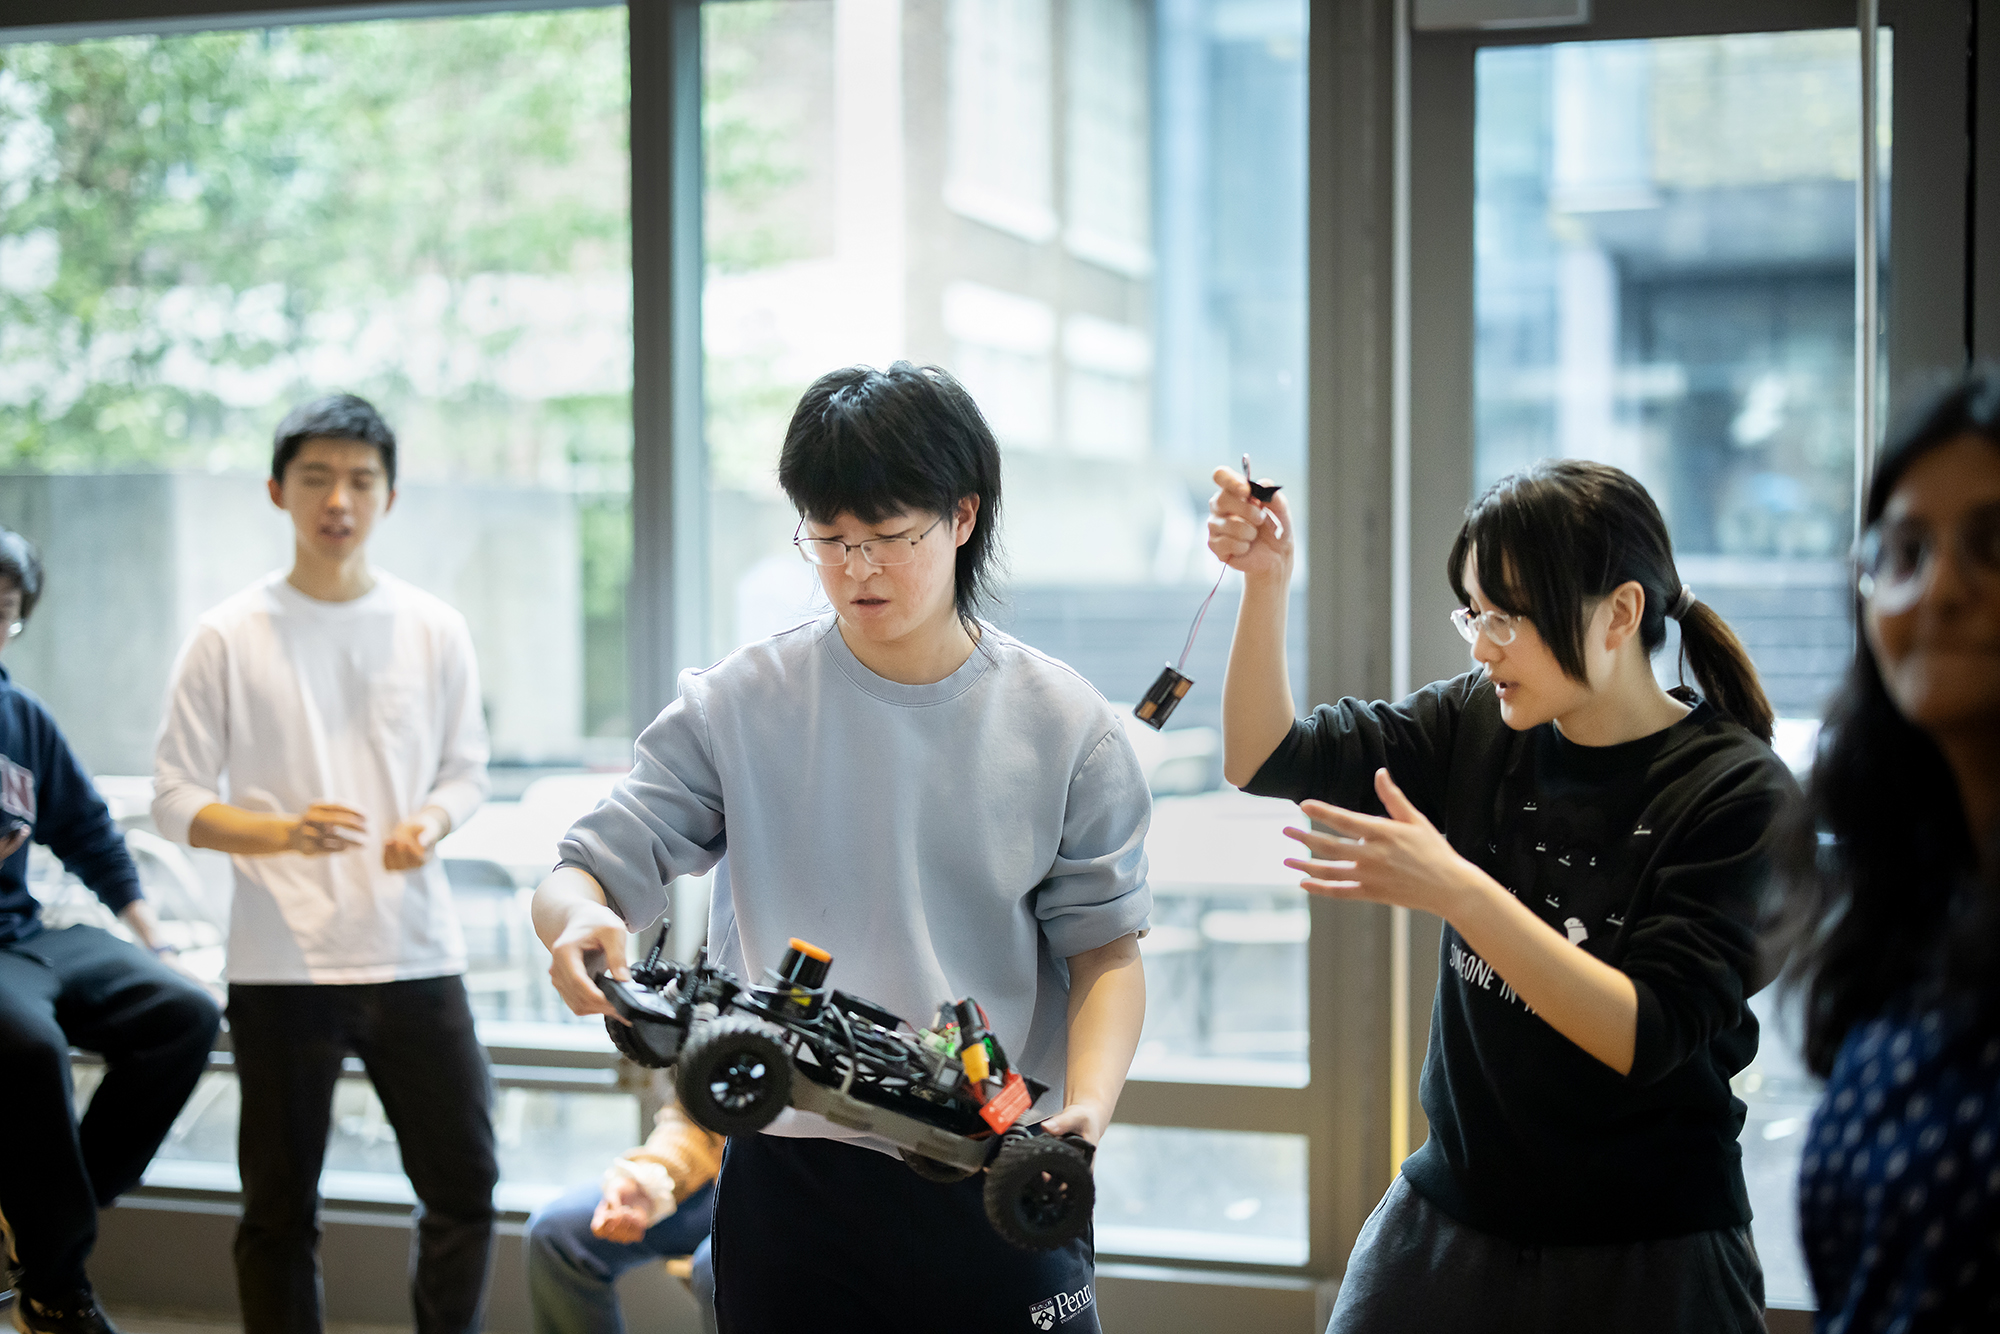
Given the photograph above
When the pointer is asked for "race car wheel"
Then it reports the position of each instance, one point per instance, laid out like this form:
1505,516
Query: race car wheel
1039,1192
734,1076
930,1169
632,1041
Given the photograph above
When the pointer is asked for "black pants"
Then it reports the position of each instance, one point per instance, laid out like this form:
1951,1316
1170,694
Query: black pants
813,1234
86,988
1415,1269
417,1043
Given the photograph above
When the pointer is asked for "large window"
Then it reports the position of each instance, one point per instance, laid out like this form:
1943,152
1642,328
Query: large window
196,232
1664,280
1092,212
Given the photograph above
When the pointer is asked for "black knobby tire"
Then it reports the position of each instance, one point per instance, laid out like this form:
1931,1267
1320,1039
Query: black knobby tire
1039,1192
930,1169
632,1045
734,1076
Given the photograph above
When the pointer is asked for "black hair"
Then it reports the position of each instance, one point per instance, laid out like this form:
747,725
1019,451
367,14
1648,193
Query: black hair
1554,537
871,443
1882,884
334,417
20,562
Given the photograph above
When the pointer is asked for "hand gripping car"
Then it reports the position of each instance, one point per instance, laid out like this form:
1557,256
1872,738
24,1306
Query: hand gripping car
944,1095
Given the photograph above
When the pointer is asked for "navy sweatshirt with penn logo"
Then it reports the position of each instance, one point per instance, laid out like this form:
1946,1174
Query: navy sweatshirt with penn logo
43,784
1654,856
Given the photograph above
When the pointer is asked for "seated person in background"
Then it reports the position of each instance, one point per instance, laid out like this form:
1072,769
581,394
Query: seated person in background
75,987
339,709
655,1203
1894,900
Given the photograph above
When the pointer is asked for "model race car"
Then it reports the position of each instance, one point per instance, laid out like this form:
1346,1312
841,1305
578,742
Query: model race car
944,1095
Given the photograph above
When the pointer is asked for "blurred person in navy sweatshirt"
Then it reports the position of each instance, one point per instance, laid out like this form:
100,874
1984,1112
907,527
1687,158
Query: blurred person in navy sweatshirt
78,986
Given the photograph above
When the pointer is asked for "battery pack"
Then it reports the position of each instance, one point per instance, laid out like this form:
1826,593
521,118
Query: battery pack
1162,698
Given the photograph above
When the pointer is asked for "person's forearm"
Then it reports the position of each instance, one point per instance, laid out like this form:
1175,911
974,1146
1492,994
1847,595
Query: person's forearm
242,833
1107,1008
557,899
1257,708
1583,998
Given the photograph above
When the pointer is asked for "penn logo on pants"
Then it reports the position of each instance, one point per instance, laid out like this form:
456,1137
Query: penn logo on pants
1063,1307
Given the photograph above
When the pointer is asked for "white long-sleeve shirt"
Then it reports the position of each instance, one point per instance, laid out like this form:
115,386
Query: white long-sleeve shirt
280,700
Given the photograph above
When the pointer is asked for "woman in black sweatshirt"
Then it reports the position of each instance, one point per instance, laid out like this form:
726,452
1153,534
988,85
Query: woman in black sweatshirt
1598,848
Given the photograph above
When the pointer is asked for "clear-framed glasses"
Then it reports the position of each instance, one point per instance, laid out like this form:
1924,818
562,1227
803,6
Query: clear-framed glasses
1497,626
878,551
1892,561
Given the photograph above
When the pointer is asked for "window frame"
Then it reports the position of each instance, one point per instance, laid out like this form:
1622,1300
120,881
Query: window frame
1388,305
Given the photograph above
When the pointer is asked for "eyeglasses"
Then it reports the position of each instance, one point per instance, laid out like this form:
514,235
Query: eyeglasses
1892,563
877,551
1497,626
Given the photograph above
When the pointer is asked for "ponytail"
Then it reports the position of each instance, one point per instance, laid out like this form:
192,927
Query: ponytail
1722,668
1557,535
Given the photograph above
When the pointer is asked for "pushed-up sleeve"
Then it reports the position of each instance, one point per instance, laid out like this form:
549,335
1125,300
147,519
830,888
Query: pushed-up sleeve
1332,753
73,822
461,783
1691,957
193,747
1096,891
662,821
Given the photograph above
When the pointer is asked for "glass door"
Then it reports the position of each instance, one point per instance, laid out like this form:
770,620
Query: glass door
1634,240
1663,279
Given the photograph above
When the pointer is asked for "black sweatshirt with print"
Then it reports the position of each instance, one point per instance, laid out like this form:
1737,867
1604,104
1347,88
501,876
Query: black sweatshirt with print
43,785
1653,855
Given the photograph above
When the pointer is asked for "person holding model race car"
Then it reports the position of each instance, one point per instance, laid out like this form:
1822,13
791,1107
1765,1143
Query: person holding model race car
943,809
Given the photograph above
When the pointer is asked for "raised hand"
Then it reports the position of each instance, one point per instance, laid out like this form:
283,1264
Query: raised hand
1245,534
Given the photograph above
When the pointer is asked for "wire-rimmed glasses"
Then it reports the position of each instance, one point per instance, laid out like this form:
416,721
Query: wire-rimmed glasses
1892,561
877,551
1497,626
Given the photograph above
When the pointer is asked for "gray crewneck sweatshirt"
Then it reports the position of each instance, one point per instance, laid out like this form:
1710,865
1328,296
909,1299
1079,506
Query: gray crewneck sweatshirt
959,838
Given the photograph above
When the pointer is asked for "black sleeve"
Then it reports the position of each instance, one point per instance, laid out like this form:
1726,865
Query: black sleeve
1692,955
73,822
1332,753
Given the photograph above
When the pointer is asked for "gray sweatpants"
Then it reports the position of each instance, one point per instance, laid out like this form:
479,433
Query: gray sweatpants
1415,1270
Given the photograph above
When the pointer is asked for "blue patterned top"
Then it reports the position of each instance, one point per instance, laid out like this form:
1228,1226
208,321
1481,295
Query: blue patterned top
1899,1183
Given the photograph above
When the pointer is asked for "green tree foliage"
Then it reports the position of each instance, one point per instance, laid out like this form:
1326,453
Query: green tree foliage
195,229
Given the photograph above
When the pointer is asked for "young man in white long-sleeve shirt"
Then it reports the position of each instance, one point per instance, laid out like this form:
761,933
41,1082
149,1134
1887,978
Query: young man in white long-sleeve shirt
324,728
